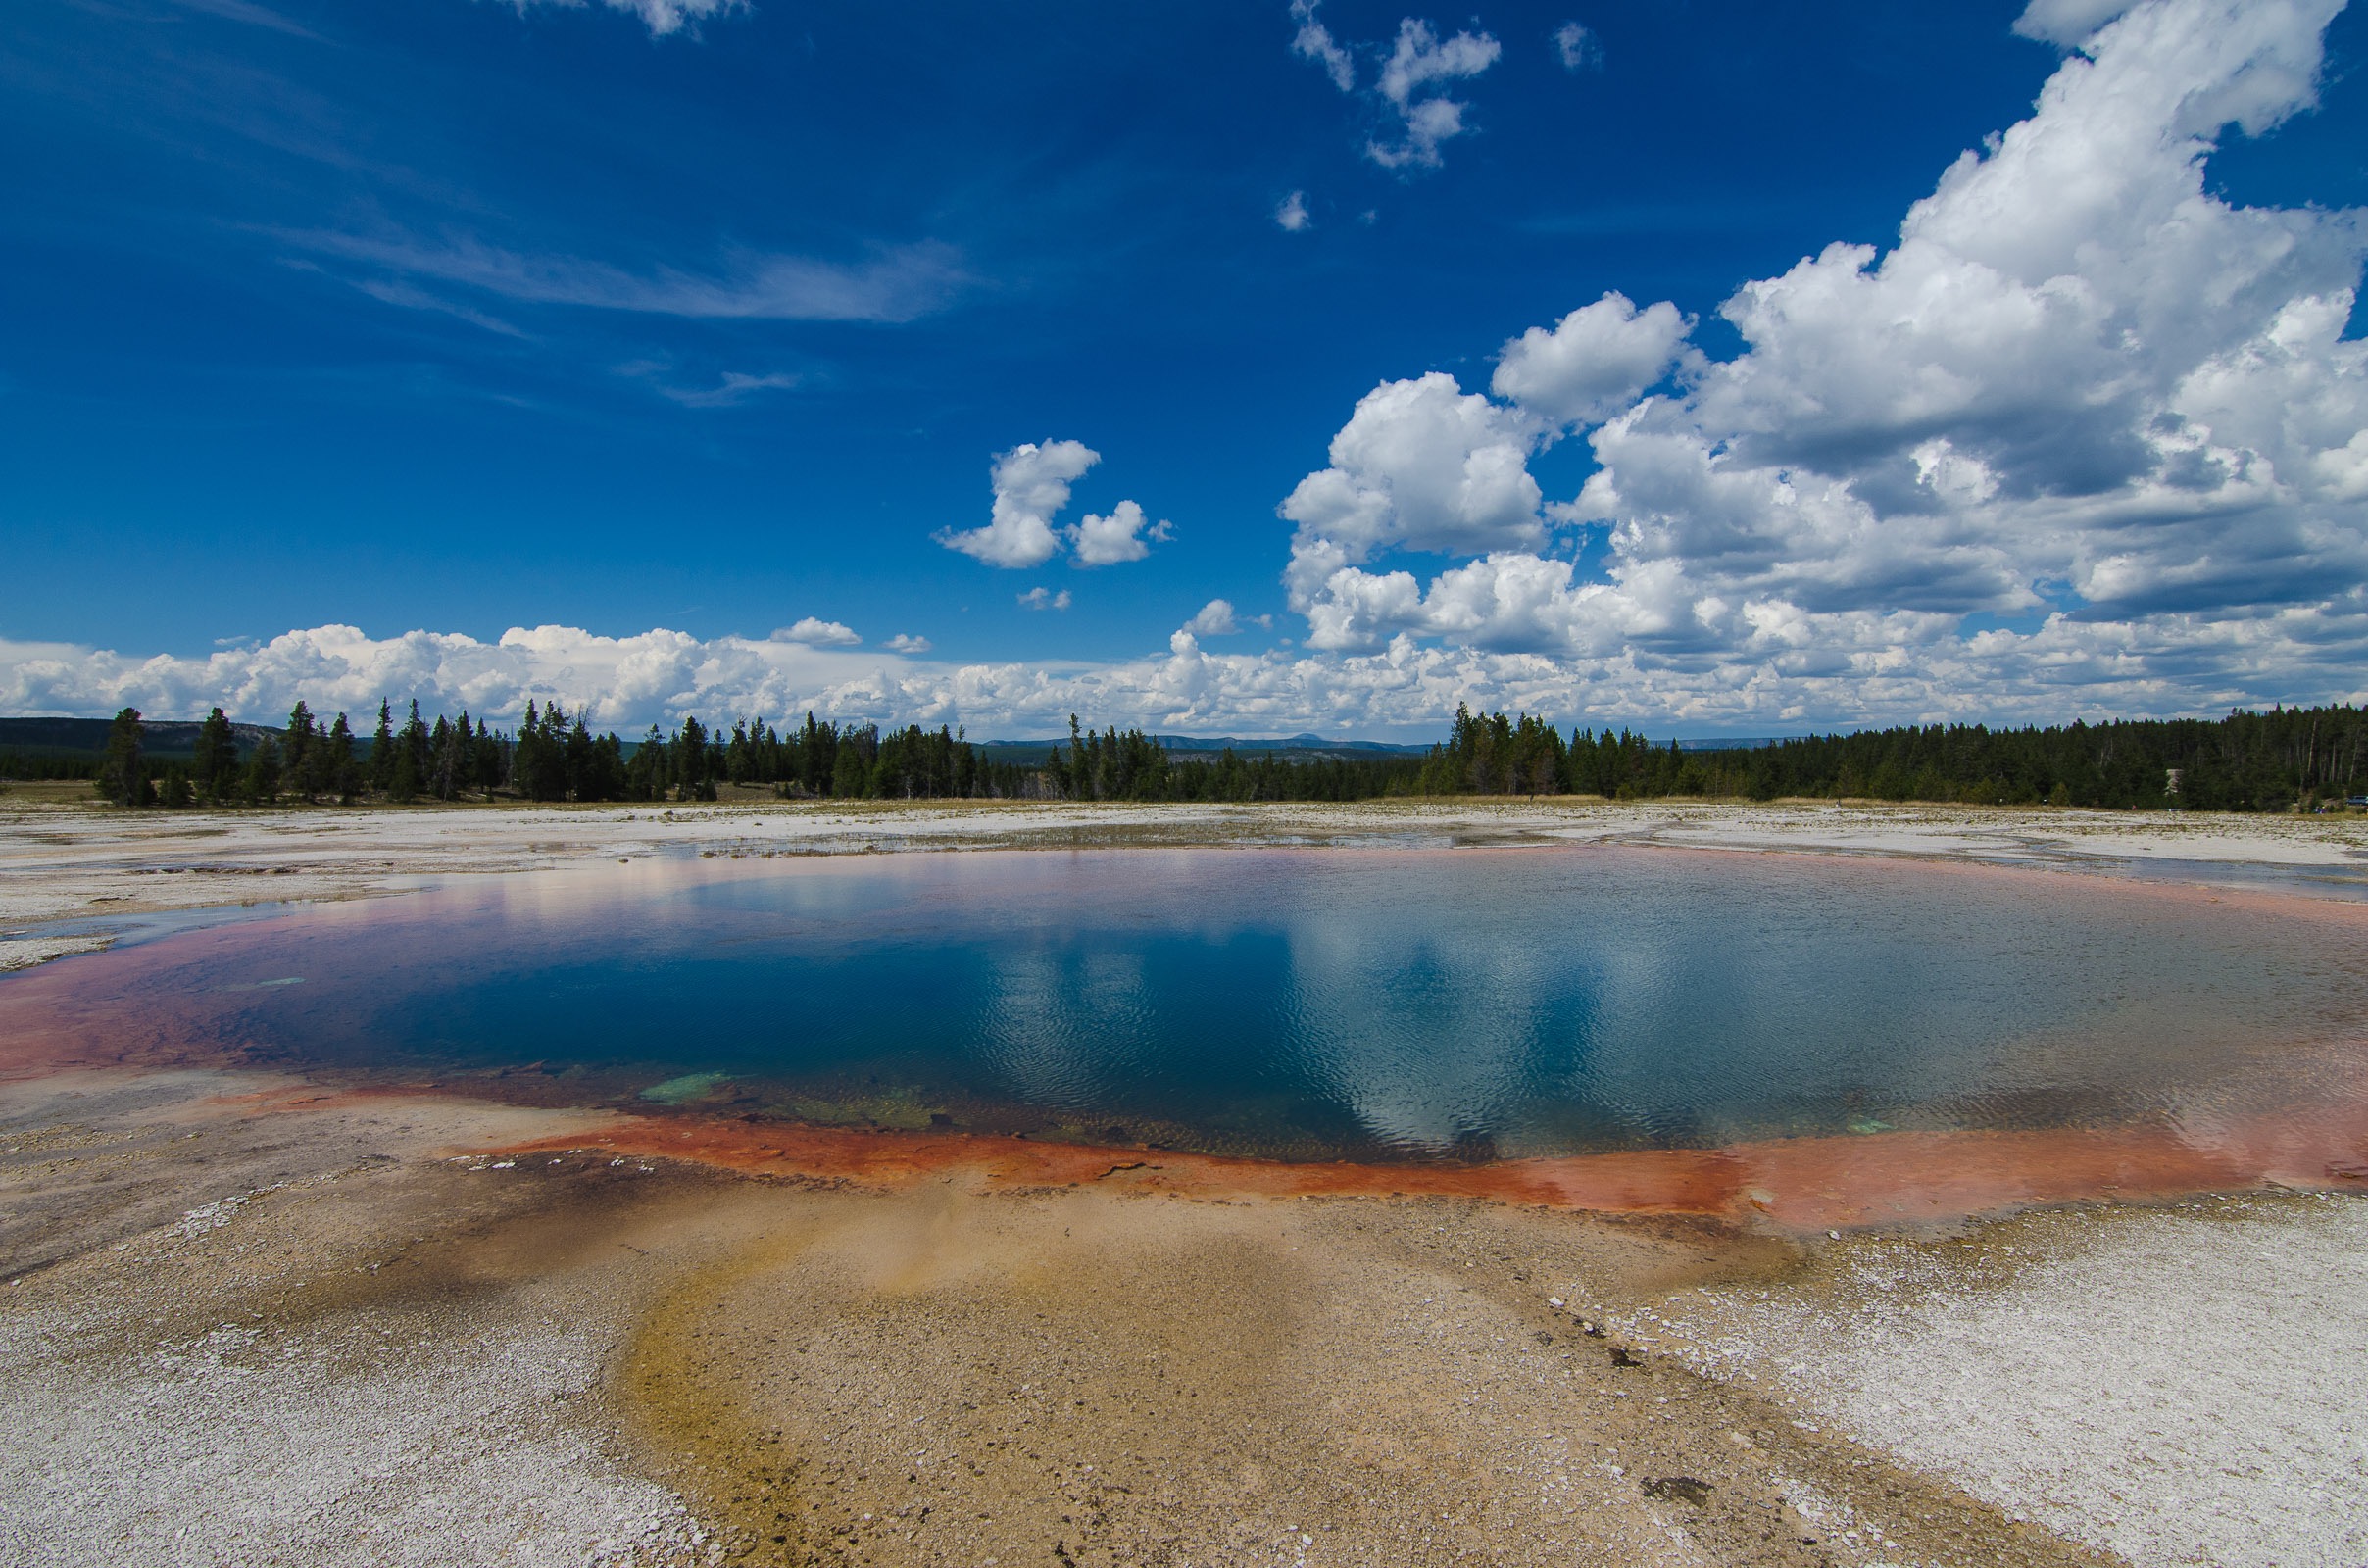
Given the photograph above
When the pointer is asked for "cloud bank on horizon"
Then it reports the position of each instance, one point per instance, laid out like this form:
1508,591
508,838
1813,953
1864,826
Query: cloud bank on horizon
2087,440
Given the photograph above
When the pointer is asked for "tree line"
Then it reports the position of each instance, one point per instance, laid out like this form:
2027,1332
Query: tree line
2246,761
552,755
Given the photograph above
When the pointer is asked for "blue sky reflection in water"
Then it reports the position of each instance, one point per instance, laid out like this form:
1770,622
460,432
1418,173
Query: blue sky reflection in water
1307,1004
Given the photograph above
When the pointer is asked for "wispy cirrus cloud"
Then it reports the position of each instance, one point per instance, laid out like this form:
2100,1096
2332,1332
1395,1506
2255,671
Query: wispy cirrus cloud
898,283
734,387
1315,41
254,16
660,17
412,297
1575,47
729,389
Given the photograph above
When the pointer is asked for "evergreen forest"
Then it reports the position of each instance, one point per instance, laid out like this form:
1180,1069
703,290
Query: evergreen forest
2284,759
2246,761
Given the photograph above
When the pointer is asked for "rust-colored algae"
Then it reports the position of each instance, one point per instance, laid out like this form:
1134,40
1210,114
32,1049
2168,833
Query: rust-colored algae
1791,1184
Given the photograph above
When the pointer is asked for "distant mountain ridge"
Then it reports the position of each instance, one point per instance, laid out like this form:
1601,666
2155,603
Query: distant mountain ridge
1293,748
1296,743
79,737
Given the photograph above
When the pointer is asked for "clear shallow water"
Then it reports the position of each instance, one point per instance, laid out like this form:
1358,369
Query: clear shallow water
1300,1004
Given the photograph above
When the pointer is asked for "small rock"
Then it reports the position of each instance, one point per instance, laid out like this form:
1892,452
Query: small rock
1679,1489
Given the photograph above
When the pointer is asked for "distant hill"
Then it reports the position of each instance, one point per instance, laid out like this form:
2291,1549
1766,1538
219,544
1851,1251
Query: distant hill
1295,748
168,739
1306,748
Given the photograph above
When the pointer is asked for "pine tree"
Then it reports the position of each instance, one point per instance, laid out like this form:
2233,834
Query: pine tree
213,770
410,741
338,768
491,765
122,775
319,773
691,763
443,760
645,774
407,751
262,783
383,749
465,756
297,750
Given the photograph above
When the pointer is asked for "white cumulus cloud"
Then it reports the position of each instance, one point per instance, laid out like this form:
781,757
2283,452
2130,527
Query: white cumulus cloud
818,632
1044,599
1291,213
907,643
1126,534
1420,466
1410,80
1216,619
1593,362
2066,23
1031,483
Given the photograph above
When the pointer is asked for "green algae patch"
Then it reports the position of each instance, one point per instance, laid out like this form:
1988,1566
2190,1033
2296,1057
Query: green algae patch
689,1087
900,1110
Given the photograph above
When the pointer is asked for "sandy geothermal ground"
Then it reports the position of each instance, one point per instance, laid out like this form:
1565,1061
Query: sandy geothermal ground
249,1319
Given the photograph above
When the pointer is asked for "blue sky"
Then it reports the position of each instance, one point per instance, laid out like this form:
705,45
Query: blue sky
345,339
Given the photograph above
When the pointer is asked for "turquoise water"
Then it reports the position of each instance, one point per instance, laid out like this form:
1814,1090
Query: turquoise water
1300,1004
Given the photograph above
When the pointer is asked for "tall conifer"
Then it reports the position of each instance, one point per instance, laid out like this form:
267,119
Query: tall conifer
262,783
383,749
342,773
123,775
214,769
296,750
